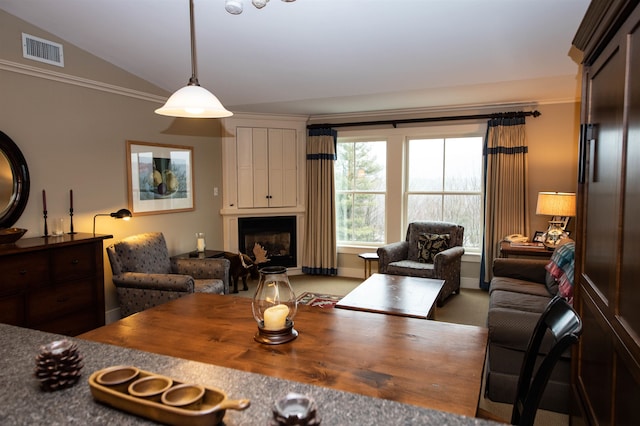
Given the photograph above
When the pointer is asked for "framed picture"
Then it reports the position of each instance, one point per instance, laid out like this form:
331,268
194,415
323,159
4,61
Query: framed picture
160,178
563,219
537,237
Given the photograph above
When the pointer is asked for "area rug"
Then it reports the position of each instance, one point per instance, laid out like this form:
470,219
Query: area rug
318,300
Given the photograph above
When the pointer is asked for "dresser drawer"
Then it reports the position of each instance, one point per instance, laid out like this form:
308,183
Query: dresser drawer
57,299
18,272
71,263
12,309
70,324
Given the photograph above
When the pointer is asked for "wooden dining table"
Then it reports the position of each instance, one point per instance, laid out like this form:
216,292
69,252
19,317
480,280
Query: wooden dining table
426,363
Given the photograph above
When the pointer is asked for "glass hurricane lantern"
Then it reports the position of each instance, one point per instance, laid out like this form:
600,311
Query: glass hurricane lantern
274,306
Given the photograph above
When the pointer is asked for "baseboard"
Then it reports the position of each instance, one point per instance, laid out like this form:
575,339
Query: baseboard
112,315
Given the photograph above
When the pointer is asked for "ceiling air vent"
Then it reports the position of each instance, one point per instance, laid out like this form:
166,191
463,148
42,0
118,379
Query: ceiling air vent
39,49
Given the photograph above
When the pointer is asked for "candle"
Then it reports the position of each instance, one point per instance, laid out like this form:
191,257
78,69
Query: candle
275,317
200,244
44,200
71,199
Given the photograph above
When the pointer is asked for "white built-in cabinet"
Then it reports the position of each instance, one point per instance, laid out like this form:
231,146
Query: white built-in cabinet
267,167
263,170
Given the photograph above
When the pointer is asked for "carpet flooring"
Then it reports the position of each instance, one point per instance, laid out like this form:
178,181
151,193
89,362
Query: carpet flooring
470,307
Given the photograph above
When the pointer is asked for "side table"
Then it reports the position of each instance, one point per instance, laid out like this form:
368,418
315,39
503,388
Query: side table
506,250
368,259
200,255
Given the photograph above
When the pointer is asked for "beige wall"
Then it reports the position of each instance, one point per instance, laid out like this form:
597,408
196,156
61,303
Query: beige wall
73,137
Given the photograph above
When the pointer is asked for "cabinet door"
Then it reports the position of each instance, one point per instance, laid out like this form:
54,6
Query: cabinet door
260,168
244,155
606,88
283,182
605,80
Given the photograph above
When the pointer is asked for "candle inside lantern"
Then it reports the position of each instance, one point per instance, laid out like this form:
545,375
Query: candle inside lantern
200,244
275,317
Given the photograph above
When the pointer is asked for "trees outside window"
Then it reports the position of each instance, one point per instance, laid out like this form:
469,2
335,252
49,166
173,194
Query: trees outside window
360,181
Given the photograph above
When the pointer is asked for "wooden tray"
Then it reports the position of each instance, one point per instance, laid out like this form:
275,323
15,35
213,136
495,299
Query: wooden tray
210,412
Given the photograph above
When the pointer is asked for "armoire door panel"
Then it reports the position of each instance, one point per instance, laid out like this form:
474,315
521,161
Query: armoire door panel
596,364
626,408
629,304
603,187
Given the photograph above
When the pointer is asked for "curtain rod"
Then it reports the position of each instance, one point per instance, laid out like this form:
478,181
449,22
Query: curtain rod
395,123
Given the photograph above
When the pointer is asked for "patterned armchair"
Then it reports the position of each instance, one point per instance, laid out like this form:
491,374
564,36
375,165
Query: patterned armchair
431,250
145,275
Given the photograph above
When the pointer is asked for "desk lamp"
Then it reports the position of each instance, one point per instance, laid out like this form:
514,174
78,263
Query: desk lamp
120,214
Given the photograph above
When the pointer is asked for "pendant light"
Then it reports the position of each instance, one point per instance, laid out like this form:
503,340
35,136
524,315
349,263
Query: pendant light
193,100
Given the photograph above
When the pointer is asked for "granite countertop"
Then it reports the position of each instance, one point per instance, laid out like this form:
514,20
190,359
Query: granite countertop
23,403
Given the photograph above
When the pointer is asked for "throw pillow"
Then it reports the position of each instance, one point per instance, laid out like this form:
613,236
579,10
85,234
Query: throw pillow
431,244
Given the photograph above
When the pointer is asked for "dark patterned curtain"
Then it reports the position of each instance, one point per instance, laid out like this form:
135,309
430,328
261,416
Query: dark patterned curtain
505,187
320,255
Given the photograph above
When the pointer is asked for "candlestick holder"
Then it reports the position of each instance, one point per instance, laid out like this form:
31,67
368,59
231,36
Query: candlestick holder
275,337
46,228
274,305
71,231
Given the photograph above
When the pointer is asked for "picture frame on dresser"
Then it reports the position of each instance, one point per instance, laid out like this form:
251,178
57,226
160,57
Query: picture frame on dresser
537,237
159,178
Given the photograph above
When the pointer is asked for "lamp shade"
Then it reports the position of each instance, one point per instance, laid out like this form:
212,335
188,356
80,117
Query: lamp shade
193,101
556,204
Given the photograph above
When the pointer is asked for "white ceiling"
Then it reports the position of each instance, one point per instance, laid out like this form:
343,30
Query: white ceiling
320,57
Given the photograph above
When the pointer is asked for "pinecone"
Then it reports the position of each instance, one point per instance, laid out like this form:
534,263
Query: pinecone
58,365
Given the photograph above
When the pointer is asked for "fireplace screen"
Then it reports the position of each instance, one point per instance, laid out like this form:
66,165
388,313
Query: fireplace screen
270,241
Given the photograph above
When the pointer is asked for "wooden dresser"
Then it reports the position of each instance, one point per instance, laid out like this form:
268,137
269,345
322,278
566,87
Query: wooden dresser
53,284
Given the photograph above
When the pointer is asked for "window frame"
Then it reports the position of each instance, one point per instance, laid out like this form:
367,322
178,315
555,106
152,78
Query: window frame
343,243
395,218
443,192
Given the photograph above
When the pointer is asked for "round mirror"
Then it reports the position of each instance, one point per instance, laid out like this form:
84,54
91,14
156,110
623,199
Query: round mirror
14,182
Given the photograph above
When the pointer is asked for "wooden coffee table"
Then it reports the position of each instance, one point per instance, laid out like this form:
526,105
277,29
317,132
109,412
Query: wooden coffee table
395,295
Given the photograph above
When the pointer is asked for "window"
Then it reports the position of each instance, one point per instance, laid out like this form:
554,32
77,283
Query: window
444,182
360,180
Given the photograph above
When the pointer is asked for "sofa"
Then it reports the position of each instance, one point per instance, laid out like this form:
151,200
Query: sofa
430,250
519,291
145,276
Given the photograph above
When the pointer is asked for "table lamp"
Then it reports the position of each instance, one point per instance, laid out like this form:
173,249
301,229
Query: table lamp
557,205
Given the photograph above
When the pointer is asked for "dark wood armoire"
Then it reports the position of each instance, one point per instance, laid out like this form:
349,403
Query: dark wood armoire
606,373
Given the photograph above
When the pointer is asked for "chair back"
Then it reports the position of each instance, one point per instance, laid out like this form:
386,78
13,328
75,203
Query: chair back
146,253
563,323
456,234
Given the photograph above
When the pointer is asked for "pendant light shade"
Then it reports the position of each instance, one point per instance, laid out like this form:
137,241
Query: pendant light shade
193,100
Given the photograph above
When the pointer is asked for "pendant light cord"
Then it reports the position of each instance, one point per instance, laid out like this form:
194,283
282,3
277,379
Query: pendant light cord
193,81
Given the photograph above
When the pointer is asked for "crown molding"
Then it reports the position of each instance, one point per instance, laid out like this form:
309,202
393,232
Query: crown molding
78,81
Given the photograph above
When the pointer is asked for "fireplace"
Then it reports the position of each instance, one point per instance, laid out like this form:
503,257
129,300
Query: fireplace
275,237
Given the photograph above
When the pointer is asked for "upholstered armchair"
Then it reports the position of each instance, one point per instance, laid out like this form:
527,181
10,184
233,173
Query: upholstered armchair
431,250
145,275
